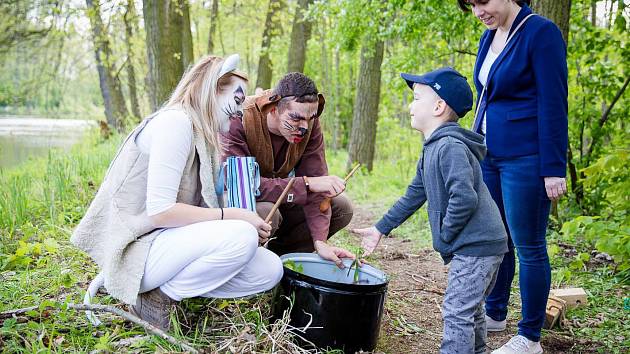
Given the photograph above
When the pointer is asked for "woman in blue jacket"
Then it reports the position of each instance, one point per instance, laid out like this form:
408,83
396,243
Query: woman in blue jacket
521,81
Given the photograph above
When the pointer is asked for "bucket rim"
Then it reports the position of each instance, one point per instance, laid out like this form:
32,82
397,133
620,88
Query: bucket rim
354,288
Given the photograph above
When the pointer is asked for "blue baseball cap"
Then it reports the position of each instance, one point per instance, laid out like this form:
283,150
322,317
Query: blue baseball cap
449,84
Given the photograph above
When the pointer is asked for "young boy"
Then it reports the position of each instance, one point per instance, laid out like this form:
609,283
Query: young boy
465,222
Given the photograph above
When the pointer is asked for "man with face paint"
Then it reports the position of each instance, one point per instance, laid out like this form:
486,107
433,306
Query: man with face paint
281,128
157,228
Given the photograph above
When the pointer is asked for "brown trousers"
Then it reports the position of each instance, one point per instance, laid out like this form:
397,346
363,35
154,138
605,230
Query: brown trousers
290,229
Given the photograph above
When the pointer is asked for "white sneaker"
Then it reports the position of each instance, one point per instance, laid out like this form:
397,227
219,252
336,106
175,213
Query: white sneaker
519,345
495,326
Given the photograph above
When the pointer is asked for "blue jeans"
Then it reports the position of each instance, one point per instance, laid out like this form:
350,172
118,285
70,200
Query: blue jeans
519,191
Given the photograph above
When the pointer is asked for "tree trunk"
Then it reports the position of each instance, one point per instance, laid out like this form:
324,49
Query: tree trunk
337,106
187,45
300,34
265,68
326,86
115,108
129,18
610,14
557,11
164,26
594,13
403,114
363,132
214,19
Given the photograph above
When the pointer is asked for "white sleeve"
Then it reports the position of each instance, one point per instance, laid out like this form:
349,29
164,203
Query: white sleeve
168,140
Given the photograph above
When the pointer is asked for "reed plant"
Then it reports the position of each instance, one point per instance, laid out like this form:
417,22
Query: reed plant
14,203
52,191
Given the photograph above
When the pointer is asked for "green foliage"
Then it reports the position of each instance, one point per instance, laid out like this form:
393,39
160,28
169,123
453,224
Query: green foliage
608,180
30,249
290,264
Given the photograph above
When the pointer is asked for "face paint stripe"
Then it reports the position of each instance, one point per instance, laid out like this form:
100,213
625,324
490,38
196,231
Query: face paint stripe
288,126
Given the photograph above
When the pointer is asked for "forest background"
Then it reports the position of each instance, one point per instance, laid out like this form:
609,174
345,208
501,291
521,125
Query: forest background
117,61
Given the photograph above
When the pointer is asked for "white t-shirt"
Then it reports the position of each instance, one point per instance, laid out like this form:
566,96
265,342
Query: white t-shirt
490,58
167,139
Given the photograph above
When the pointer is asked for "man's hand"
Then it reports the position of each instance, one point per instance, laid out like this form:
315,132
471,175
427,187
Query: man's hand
556,187
370,237
333,253
330,186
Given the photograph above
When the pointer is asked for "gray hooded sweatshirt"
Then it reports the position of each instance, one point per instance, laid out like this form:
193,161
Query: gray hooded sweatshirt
463,217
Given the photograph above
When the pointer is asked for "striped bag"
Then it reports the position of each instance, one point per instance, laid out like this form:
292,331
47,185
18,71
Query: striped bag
243,182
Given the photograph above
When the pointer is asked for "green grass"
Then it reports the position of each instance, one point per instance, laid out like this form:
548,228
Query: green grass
43,199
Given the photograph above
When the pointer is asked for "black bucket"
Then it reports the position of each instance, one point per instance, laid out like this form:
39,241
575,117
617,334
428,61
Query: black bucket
330,309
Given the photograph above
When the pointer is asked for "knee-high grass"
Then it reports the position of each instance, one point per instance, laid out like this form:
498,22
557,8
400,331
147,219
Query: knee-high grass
50,191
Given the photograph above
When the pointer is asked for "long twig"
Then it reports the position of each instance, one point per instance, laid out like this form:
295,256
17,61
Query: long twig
277,205
111,309
325,204
280,200
433,291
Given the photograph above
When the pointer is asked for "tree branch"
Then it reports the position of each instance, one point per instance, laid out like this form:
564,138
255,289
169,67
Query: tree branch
111,309
606,115
122,66
460,51
463,51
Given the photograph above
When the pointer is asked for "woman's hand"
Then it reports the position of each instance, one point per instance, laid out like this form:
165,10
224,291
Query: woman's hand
333,253
263,228
370,237
556,187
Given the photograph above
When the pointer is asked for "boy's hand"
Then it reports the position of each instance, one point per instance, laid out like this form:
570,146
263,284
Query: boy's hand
370,237
333,253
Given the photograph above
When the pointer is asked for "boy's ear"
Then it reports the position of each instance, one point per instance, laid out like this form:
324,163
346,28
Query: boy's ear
439,107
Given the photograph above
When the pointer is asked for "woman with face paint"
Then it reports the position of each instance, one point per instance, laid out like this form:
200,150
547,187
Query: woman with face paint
157,227
521,81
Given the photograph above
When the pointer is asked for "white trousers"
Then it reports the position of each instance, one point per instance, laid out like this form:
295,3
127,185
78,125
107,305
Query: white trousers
219,259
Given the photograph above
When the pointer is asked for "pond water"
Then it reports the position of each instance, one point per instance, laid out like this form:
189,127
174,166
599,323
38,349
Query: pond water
21,138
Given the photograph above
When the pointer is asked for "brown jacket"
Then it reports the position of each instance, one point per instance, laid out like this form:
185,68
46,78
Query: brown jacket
277,158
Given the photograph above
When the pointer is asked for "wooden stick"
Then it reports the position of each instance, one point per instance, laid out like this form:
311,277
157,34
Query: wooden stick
352,172
280,200
114,310
433,291
325,204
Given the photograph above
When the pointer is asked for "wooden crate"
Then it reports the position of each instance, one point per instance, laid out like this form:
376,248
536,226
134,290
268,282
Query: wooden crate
574,297
554,313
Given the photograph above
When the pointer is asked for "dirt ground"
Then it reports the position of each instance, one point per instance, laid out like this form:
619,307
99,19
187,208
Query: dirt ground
412,321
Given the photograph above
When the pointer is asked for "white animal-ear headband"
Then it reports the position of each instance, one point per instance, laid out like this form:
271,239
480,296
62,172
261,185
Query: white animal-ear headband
229,64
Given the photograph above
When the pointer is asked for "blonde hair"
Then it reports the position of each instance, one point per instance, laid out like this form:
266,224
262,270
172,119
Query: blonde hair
197,95
451,115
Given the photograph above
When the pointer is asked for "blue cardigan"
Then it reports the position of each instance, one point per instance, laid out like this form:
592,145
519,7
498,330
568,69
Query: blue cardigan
526,96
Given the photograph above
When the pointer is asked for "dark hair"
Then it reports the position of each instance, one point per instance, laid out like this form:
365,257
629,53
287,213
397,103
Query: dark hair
297,87
465,5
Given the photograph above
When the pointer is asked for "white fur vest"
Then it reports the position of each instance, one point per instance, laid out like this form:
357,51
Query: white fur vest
116,230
